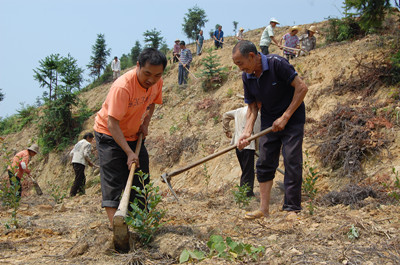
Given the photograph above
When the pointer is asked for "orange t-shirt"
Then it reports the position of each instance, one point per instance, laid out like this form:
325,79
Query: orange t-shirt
127,102
22,156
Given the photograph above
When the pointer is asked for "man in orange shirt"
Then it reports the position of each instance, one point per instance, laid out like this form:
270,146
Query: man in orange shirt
19,165
125,114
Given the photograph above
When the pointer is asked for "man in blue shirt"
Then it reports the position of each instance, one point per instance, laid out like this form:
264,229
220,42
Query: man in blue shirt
184,64
218,38
273,82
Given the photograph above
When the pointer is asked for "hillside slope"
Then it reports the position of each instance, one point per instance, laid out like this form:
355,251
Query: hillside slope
188,127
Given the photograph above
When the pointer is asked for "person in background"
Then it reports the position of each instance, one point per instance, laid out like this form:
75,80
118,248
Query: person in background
116,68
239,35
308,41
291,41
124,115
268,36
176,51
80,155
218,38
19,166
199,42
271,80
245,156
184,64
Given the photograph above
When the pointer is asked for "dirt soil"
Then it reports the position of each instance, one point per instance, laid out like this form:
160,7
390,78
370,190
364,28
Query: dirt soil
188,127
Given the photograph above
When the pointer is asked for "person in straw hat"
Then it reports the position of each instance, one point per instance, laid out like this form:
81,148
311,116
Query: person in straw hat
308,40
291,41
239,35
19,166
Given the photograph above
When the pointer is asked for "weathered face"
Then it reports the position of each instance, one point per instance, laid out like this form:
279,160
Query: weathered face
149,74
273,24
201,32
220,28
294,32
246,65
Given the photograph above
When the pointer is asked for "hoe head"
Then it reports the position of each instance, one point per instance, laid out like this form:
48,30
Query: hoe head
166,179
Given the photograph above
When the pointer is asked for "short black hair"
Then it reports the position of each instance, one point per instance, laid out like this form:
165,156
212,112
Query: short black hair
88,135
115,57
153,57
245,47
182,43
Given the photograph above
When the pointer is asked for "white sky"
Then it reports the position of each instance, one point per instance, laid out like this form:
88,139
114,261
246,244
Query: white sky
30,30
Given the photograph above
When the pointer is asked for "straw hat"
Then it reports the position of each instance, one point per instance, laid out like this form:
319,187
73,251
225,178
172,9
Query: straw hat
177,40
313,29
274,20
241,29
294,28
34,148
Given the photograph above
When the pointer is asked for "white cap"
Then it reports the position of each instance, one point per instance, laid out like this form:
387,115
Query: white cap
274,20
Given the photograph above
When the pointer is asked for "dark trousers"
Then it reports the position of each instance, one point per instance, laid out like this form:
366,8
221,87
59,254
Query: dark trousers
183,74
264,50
290,140
289,56
80,180
218,44
17,182
246,161
114,171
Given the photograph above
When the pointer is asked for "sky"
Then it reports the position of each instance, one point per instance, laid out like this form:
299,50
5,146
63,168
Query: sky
31,30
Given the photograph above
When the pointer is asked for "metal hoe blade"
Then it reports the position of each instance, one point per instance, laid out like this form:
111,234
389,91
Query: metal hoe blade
164,177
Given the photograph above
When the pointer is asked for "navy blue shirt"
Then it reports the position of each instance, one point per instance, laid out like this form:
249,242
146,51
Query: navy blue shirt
273,90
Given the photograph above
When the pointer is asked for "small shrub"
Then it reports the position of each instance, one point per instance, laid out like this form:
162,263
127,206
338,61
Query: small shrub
206,175
173,129
227,249
353,233
342,29
213,75
56,192
9,192
144,218
240,195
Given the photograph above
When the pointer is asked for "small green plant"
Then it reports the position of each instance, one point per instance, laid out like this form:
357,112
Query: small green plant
213,75
56,192
394,190
145,218
227,249
309,181
9,192
206,175
229,92
216,119
353,233
240,195
173,129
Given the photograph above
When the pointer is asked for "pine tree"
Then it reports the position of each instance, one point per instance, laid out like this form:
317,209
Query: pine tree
1,95
235,24
153,38
371,12
135,51
47,74
194,20
71,74
100,53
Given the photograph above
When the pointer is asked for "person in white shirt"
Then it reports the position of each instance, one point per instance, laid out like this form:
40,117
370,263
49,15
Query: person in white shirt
245,156
80,157
239,35
116,68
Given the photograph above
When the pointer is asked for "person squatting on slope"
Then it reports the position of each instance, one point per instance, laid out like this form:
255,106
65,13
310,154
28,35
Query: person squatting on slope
308,40
291,41
272,81
19,166
125,114
80,155
245,156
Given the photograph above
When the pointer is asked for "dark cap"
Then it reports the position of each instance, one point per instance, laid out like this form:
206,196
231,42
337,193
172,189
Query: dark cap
182,43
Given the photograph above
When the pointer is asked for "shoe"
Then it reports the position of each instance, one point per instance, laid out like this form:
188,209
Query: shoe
254,215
